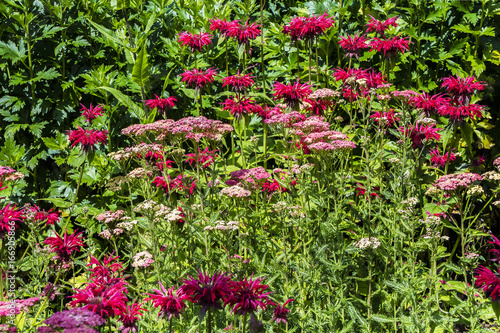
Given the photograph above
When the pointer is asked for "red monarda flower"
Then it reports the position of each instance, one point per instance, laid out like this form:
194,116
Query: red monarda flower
241,106
170,305
488,281
381,26
110,268
385,117
49,217
207,291
161,104
390,46
91,113
420,132
319,106
462,89
205,158
440,160
247,296
178,184
243,32
64,247
308,27
87,138
129,316
353,45
292,94
238,82
194,41
430,104
198,79
9,214
105,300
461,112
221,25
280,313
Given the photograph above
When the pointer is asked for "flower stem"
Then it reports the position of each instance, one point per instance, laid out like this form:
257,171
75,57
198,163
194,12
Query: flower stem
244,328
46,298
209,321
82,167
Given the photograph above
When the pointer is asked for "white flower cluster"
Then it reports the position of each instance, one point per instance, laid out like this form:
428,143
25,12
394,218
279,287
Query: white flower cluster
434,235
143,259
223,226
367,242
475,190
145,206
412,202
432,220
491,175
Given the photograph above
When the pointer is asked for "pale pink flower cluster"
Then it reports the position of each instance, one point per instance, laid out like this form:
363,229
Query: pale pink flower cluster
144,148
298,169
310,125
110,216
9,174
285,119
248,178
335,145
190,128
294,211
145,206
164,213
324,94
223,226
491,175
322,136
235,191
456,181
426,121
471,255
383,97
139,173
142,259
496,163
403,94
156,127
367,242
14,308
120,155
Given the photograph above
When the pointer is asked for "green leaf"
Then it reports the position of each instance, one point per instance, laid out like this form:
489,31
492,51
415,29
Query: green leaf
466,131
12,52
109,34
140,72
120,4
382,319
58,143
134,109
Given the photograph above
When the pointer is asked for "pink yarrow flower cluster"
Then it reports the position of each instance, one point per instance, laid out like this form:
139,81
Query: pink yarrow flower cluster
457,181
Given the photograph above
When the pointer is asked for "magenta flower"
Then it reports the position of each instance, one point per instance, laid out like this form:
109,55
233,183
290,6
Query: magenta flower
110,268
161,104
238,82
64,247
381,26
488,281
461,112
170,305
353,45
194,41
91,113
205,158
420,132
178,184
49,217
87,138
207,291
462,89
390,46
385,117
241,106
243,32
198,79
129,316
105,300
8,215
440,160
292,94
221,25
280,313
430,104
247,296
308,27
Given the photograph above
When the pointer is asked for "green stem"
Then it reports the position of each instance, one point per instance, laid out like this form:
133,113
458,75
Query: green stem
82,168
244,329
262,46
209,321
46,298
310,51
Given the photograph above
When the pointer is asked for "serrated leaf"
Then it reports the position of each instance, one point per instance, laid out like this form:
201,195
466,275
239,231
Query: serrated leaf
13,52
49,74
382,319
